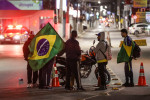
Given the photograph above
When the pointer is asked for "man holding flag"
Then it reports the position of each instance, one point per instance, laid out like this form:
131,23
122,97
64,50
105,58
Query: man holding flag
43,48
125,55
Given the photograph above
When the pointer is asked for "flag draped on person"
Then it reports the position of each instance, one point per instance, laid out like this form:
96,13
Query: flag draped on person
44,46
125,53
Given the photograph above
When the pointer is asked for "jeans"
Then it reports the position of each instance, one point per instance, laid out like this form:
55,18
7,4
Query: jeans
128,72
45,73
73,68
29,75
101,69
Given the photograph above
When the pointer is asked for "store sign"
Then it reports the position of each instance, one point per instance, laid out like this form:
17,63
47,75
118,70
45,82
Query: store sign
140,3
141,17
21,4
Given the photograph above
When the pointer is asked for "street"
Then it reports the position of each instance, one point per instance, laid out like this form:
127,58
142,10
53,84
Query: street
13,67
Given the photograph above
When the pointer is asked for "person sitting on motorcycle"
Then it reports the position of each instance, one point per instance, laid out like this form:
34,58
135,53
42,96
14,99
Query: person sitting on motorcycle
101,59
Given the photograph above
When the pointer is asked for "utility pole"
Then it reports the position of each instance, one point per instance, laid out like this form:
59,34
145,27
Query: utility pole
119,14
77,16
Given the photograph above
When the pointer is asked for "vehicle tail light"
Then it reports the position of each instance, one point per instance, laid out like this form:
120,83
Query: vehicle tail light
18,26
17,33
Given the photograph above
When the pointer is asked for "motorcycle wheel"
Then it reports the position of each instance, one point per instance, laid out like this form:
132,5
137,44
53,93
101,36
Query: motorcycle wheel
61,75
108,78
85,71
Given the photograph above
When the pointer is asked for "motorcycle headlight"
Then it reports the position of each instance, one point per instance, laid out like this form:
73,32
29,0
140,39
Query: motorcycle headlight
2,37
16,37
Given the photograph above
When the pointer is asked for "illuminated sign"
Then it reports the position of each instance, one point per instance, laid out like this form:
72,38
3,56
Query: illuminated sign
21,5
140,3
141,17
148,17
58,4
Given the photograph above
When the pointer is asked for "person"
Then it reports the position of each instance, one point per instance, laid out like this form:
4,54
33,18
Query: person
101,59
29,69
44,75
73,53
128,59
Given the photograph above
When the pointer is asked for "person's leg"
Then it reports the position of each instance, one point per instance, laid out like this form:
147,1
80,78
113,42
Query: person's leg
68,74
49,69
29,74
72,81
101,68
126,72
76,72
42,78
35,77
131,74
126,68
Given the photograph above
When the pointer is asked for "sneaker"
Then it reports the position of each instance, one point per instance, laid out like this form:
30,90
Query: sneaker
48,87
29,85
72,88
81,89
68,89
131,84
35,85
126,84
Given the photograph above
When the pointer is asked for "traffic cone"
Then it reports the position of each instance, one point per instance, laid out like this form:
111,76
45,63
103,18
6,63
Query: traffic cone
99,81
55,80
142,79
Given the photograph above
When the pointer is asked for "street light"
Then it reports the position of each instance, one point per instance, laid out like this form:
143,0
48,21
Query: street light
99,2
105,6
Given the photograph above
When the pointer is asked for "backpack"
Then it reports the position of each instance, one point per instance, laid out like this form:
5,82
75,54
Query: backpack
136,51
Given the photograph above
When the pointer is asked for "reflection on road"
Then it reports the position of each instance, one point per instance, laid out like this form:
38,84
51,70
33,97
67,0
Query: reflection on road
11,50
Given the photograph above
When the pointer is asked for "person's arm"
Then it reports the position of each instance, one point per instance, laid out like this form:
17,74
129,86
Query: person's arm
128,41
78,49
97,48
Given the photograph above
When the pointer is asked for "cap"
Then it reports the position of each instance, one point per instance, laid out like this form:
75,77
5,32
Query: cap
99,34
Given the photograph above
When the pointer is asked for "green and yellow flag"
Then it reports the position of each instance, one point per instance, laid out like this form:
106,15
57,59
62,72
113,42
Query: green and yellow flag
44,46
125,53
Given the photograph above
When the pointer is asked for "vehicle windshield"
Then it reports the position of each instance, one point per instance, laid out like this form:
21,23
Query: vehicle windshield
13,31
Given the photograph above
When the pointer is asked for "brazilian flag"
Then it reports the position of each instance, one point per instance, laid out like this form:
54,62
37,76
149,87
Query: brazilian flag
44,46
125,53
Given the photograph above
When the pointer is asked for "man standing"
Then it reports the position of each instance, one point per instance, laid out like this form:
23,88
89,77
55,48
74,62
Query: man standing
73,53
125,55
29,69
101,58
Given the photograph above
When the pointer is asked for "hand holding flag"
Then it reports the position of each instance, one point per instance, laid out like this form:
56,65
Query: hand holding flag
44,46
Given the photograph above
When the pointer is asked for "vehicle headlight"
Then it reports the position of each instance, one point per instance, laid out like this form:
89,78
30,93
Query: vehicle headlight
2,37
16,37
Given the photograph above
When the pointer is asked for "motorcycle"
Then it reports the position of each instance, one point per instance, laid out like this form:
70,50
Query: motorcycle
86,63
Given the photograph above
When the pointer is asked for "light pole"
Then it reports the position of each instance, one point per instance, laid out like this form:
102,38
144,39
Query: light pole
118,9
